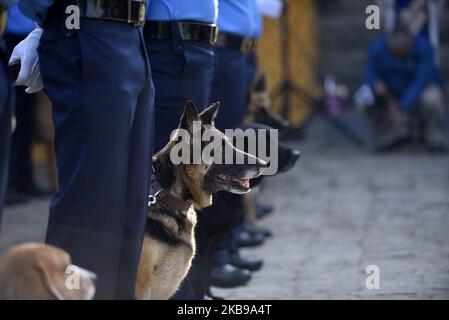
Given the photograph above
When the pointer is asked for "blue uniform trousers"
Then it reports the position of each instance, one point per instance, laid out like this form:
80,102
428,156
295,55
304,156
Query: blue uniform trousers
230,87
225,248
181,70
99,81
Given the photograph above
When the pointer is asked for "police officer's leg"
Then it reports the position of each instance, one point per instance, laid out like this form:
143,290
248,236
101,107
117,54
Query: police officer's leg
250,73
181,70
141,151
228,87
251,69
94,82
5,131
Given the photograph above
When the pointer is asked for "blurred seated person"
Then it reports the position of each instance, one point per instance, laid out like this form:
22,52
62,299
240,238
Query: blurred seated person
418,16
405,80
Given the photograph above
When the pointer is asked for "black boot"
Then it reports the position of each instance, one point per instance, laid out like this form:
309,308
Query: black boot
228,276
246,263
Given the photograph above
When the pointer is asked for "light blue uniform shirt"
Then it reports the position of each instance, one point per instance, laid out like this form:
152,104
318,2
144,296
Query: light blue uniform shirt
204,11
258,23
238,17
18,24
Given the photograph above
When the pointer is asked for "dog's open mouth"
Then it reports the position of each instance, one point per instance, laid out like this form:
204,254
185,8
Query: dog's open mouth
242,184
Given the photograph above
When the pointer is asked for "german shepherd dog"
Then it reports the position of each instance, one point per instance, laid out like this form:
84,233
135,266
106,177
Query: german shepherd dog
169,242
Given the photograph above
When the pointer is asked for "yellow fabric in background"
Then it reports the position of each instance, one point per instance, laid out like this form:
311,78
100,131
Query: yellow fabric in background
303,55
3,20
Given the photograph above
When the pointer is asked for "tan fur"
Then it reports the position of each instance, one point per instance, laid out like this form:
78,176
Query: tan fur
169,243
38,272
163,266
194,178
250,210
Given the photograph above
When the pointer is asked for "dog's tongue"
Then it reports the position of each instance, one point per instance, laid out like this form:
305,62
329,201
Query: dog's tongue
243,182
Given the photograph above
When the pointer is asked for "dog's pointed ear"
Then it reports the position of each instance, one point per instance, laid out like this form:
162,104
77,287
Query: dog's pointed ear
48,283
190,114
208,115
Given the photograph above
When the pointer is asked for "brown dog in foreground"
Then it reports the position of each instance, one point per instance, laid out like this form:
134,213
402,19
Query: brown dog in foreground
169,242
35,271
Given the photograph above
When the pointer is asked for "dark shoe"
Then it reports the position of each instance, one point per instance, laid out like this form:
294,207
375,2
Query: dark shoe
263,231
246,263
13,197
228,276
211,297
248,239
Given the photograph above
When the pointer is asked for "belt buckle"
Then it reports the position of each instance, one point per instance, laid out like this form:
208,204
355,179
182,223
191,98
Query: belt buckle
141,14
246,45
214,34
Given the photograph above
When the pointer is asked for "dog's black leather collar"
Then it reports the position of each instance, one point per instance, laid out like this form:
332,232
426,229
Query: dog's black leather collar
159,194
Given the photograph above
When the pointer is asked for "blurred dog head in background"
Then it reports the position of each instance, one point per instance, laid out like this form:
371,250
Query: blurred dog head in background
40,272
259,106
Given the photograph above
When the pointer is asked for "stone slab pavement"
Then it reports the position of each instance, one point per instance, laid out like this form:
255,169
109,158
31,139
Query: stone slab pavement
339,211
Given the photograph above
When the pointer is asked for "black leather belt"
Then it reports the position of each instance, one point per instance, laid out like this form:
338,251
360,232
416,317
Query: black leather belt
3,18
188,30
127,11
231,41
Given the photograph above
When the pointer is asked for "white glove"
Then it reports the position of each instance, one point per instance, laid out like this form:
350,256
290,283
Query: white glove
26,53
271,8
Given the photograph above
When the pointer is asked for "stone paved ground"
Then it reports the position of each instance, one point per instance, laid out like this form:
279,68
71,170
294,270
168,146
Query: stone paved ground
339,211
342,210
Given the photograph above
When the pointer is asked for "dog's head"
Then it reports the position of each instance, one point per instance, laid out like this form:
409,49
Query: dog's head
287,156
266,116
259,108
40,272
202,176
